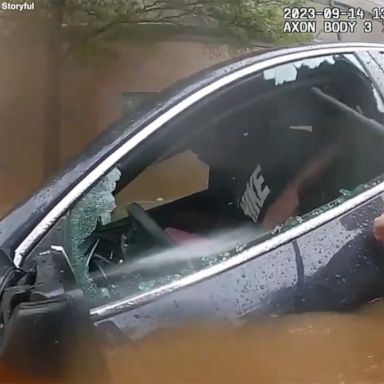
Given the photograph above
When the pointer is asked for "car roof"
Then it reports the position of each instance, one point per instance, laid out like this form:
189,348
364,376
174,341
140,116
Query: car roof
22,219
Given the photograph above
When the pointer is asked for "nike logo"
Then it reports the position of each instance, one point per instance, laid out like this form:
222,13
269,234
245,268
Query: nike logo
254,196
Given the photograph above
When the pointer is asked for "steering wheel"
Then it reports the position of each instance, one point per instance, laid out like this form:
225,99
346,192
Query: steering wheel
149,225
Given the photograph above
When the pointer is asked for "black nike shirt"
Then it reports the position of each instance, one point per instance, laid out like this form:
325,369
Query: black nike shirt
254,155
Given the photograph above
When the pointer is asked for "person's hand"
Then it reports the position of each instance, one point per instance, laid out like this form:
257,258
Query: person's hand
283,208
378,228
287,203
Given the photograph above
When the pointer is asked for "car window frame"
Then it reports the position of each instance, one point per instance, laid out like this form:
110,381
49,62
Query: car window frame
110,161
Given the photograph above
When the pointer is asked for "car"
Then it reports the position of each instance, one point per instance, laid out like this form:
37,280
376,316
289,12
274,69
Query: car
109,247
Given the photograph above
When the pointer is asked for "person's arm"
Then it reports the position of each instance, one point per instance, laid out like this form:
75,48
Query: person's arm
378,228
288,202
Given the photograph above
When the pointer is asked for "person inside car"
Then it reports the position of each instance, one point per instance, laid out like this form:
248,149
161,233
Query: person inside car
264,170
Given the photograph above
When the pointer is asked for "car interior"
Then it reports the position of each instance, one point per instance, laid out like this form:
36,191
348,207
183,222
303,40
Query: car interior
339,101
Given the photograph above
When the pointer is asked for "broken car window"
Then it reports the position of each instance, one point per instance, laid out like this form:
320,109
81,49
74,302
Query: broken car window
93,209
282,147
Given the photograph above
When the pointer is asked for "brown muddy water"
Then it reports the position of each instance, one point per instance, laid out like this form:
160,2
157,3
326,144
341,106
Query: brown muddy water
306,348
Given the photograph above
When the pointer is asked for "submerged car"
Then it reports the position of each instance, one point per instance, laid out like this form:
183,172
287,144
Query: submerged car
96,249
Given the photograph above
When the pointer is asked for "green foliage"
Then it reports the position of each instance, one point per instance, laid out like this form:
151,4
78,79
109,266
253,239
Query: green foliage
242,20
248,20
89,23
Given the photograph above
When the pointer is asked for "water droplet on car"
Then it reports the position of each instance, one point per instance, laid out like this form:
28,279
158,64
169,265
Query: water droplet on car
299,219
146,285
345,192
240,248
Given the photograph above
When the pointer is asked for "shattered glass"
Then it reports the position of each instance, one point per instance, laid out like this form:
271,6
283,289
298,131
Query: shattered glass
288,72
281,74
97,205
375,63
148,285
344,196
379,59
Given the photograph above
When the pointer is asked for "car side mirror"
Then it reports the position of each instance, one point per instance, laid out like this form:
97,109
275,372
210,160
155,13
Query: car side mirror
46,328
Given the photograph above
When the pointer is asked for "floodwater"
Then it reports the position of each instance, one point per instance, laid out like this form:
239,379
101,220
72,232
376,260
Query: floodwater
305,348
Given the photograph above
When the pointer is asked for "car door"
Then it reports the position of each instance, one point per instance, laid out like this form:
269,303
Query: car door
323,258
326,260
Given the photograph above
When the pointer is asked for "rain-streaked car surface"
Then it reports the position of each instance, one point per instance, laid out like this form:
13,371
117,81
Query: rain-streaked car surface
144,256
